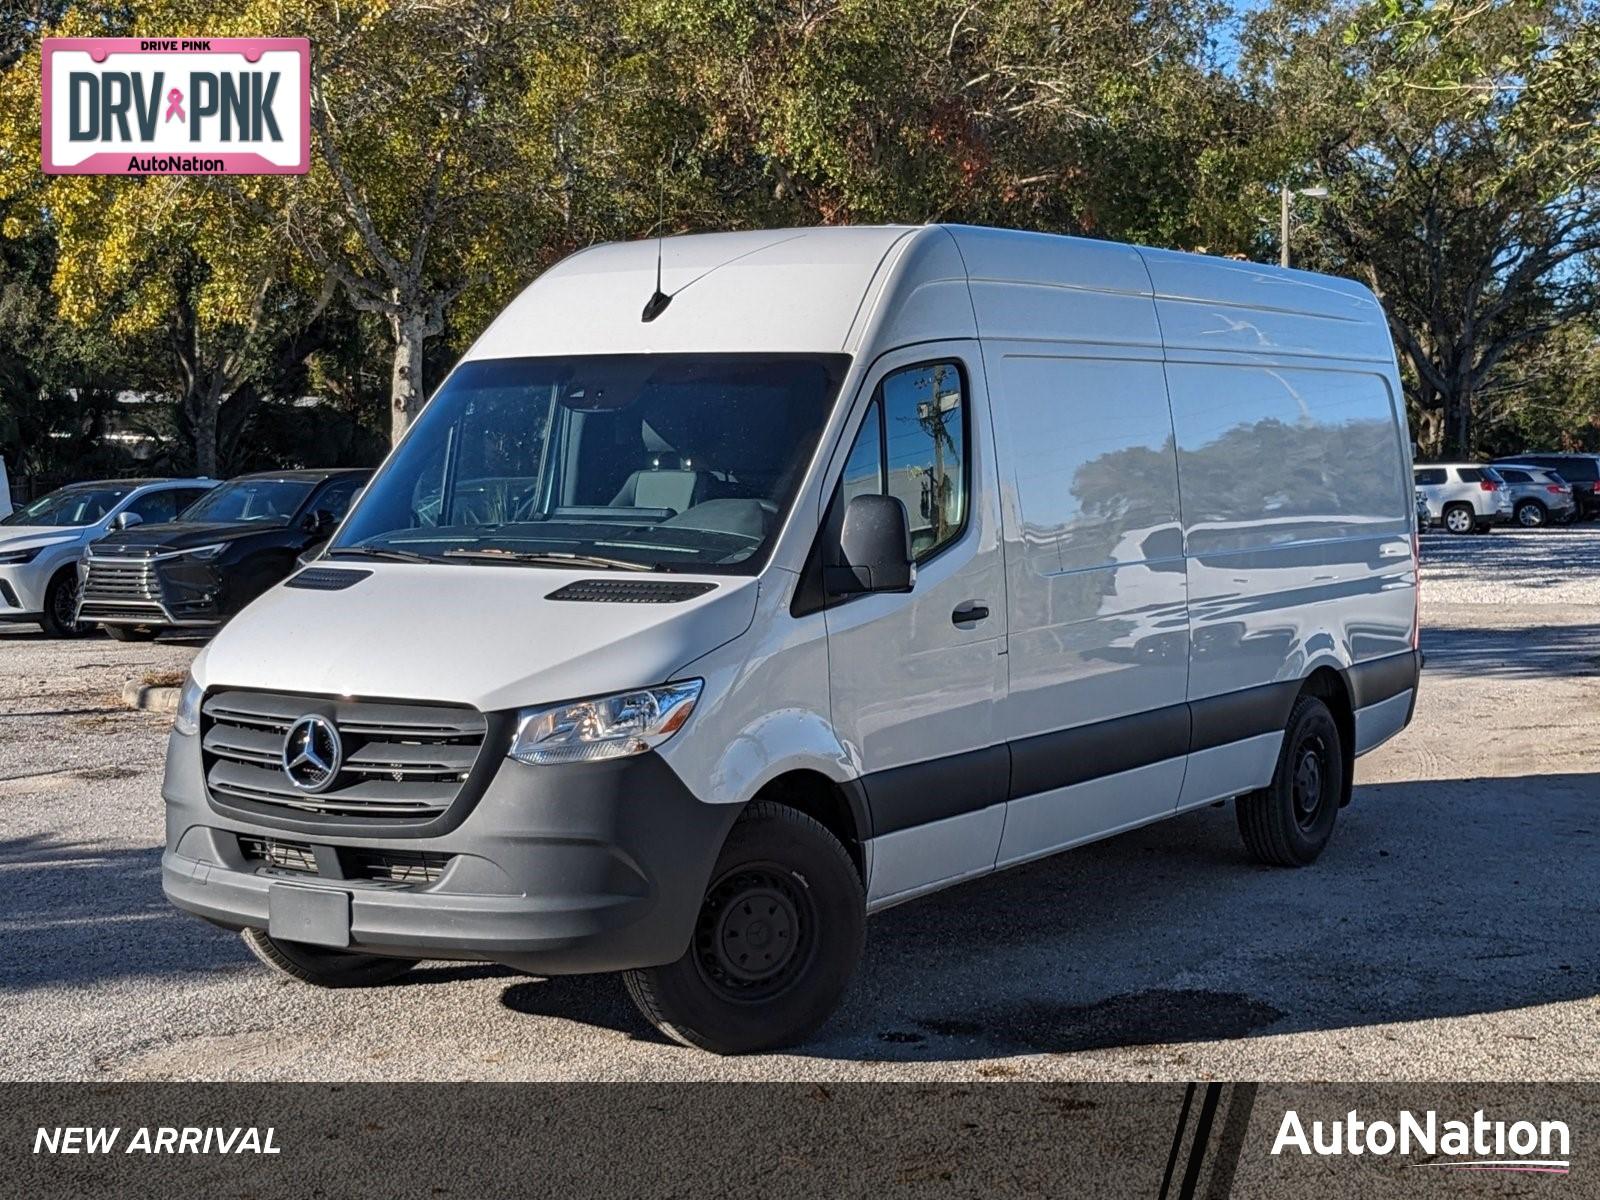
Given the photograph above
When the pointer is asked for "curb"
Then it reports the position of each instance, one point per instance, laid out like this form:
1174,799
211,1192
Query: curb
152,699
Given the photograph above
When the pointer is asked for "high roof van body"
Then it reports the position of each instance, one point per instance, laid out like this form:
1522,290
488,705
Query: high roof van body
737,586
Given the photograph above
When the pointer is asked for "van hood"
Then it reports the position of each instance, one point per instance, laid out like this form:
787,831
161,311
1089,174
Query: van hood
484,635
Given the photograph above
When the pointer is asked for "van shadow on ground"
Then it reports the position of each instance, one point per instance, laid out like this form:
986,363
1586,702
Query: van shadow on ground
1435,899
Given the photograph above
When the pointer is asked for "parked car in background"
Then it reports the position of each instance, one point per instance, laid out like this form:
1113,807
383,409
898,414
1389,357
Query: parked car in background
1463,497
1582,471
41,543
1538,497
217,557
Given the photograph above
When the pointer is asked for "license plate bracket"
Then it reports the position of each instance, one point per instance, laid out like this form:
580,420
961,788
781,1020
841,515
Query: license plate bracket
315,916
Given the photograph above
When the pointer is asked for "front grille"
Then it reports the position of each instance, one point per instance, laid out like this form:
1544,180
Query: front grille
120,589
282,856
399,760
393,866
384,866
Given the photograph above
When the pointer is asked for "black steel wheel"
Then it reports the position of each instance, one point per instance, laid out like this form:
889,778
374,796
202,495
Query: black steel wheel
1288,822
777,938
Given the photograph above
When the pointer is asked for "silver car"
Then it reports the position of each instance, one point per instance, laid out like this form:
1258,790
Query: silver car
1538,496
42,542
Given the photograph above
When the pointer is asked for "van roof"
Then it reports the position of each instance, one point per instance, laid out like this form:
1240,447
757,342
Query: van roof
827,289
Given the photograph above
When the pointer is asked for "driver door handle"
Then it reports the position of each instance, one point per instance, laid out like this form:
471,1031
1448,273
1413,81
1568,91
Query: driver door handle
969,614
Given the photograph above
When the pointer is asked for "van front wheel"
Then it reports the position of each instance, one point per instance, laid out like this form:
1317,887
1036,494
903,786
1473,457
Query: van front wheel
777,938
1288,822
324,968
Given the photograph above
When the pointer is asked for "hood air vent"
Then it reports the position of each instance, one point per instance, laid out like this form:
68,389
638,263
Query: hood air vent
327,579
631,591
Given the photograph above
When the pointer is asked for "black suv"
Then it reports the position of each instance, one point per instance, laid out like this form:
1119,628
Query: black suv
221,553
1582,471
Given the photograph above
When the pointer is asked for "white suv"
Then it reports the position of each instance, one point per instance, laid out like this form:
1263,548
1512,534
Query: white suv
1463,497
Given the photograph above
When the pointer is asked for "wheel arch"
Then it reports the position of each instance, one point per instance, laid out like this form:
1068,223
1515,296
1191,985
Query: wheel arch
840,808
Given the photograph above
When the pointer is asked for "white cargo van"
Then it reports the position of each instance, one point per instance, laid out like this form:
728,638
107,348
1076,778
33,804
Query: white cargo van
712,605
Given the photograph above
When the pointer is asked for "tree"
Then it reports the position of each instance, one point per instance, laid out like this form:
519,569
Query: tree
419,111
1080,116
1460,146
191,263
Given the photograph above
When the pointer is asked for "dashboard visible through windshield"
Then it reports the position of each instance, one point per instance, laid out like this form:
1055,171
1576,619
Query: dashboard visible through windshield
645,462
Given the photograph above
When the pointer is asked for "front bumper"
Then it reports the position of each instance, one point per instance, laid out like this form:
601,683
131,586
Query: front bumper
180,592
556,870
22,591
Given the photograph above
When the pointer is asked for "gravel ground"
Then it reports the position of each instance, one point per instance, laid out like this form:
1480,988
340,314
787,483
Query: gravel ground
1447,933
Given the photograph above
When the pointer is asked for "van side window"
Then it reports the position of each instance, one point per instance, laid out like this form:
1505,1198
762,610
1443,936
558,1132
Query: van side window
925,443
1429,476
863,470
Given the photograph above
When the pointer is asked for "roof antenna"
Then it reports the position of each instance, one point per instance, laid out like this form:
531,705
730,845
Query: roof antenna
657,304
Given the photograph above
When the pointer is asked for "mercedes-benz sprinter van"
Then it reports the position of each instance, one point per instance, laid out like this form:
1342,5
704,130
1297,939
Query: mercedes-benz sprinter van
734,587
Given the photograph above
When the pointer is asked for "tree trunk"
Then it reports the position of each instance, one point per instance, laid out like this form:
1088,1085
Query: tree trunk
405,391
1460,425
205,431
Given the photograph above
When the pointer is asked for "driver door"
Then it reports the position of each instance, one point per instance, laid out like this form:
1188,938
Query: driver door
915,678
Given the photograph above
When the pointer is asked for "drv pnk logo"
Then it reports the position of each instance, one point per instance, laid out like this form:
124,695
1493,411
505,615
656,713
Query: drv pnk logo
176,106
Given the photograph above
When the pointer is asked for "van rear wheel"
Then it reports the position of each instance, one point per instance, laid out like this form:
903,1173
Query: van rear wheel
1288,822
321,967
777,938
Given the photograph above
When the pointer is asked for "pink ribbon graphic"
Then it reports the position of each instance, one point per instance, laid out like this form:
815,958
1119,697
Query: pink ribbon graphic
175,105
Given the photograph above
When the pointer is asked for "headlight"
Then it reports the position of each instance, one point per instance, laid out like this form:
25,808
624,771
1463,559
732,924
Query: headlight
15,558
187,719
204,553
606,727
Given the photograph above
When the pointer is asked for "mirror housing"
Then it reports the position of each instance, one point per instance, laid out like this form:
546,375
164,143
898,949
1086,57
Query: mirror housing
127,519
874,549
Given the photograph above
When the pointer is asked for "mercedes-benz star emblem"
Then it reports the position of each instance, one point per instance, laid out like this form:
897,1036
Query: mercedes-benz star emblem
312,753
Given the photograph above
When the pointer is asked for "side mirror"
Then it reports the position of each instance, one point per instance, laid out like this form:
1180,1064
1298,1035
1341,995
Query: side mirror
127,519
874,549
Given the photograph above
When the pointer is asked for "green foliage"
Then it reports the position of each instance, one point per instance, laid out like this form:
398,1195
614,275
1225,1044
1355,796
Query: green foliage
461,148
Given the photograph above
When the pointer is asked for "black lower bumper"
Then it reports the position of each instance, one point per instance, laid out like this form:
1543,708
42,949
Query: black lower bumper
557,869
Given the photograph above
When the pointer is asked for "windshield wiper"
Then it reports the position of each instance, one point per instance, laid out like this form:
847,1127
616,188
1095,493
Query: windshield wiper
554,558
379,552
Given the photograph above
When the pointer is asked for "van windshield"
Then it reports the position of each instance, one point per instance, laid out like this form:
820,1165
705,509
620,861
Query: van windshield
664,462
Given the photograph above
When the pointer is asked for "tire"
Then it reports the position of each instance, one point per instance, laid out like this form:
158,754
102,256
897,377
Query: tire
60,616
785,890
131,633
1288,822
324,968
1458,518
1531,514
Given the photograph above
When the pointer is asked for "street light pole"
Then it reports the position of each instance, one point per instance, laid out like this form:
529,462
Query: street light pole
1286,194
1283,226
